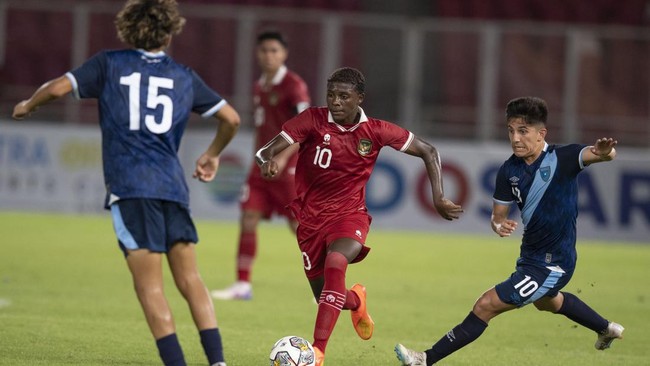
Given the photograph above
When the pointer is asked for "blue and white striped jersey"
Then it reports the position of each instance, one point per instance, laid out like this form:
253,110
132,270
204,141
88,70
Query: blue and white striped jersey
145,100
547,195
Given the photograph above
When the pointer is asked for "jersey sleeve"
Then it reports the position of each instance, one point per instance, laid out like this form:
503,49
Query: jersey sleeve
502,190
570,157
89,78
206,101
297,128
390,134
299,96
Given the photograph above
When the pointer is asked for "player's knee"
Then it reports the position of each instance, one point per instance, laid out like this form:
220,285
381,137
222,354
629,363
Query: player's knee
148,291
539,306
483,305
546,304
185,282
249,221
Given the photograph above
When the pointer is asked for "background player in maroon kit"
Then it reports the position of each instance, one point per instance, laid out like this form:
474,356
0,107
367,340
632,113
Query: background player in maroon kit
339,146
278,95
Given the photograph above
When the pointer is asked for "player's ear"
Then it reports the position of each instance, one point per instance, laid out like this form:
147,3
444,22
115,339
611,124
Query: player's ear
361,96
542,133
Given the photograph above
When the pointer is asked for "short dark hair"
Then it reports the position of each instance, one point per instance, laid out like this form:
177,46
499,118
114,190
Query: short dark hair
272,35
148,24
531,109
349,75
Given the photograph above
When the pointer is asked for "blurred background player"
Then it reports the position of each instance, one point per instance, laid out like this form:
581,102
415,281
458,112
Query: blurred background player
339,146
278,95
542,180
145,99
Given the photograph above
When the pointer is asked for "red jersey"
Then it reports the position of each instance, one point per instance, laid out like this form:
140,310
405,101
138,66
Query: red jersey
335,162
275,104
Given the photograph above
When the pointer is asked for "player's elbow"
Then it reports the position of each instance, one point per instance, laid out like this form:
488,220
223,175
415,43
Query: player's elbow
59,87
233,120
228,116
428,153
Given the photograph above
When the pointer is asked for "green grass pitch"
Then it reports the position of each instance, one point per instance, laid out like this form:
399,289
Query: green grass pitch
66,298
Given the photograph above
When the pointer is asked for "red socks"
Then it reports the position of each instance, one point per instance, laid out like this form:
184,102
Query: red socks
351,300
332,298
246,255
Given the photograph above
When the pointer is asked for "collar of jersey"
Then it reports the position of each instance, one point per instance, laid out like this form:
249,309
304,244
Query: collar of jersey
362,119
277,78
151,54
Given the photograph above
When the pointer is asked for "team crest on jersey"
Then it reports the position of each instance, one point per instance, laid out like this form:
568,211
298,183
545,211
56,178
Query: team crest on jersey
545,173
273,98
364,147
326,139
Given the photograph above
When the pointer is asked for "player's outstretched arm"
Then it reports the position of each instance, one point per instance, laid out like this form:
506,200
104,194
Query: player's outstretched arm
51,90
429,154
602,150
265,156
208,163
500,222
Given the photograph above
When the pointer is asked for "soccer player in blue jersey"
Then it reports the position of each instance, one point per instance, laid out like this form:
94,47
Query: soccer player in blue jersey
542,180
145,99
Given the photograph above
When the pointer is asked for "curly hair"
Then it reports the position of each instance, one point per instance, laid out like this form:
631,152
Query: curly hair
349,75
530,109
148,24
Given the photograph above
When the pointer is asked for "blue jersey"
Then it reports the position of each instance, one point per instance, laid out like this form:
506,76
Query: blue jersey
145,100
547,195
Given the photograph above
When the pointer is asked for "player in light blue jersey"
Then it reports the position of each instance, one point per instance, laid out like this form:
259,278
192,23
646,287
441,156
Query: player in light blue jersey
145,99
542,180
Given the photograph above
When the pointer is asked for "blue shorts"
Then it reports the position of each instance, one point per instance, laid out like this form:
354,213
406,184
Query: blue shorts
151,224
530,283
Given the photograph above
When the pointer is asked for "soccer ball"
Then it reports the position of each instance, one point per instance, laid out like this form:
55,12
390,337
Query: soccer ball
292,351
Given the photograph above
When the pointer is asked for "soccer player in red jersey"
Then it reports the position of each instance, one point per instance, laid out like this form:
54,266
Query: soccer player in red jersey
278,95
339,146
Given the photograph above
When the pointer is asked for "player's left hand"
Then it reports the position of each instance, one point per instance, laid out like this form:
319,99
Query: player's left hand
603,146
447,209
21,110
206,168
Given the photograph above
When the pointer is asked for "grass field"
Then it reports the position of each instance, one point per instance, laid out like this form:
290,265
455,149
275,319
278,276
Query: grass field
66,298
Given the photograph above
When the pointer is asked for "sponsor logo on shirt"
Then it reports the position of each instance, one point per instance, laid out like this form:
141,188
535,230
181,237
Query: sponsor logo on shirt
364,147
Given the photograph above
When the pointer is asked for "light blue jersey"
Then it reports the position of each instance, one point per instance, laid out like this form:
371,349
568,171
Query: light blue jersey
547,195
145,100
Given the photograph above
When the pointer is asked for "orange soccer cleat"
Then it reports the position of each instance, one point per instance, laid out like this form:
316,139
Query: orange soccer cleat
320,357
361,320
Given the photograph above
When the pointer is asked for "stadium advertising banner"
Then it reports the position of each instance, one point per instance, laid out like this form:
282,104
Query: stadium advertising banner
58,168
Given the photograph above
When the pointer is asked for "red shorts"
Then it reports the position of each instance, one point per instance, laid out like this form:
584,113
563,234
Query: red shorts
313,242
268,196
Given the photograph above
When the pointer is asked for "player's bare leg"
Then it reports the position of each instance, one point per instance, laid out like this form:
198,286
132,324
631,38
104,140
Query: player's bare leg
182,262
146,270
